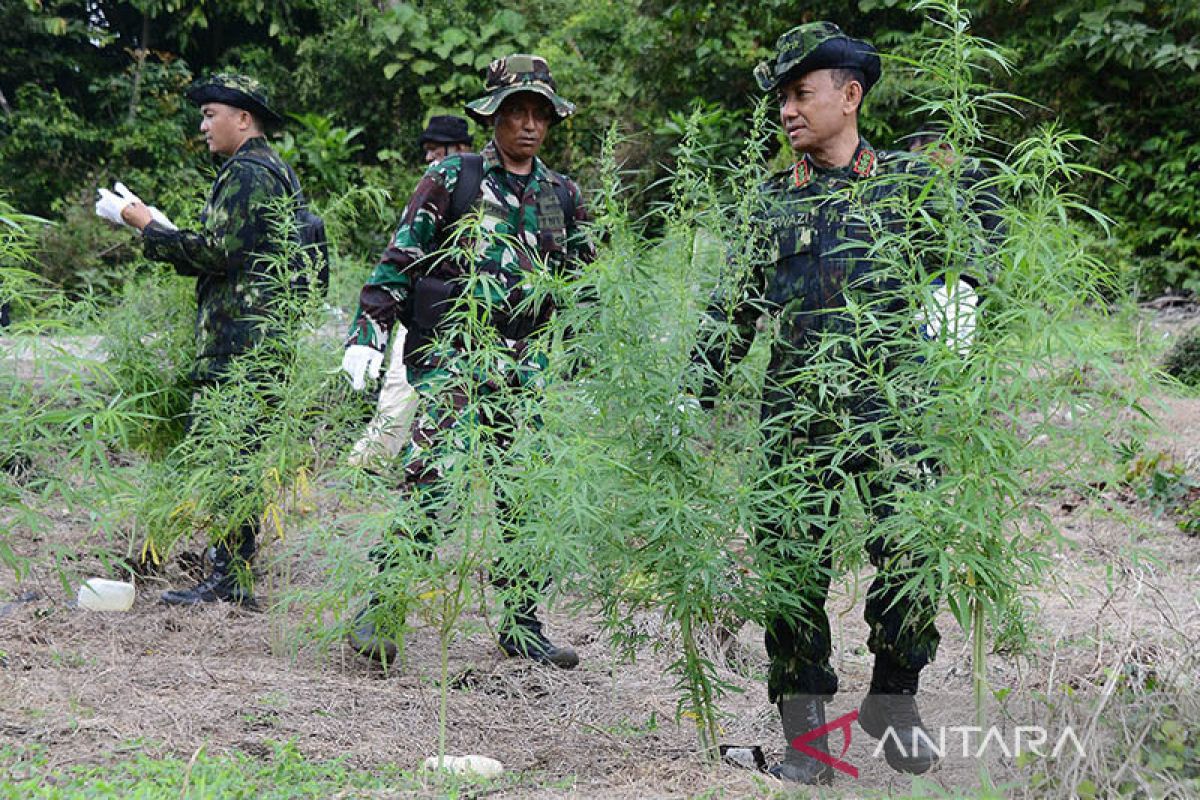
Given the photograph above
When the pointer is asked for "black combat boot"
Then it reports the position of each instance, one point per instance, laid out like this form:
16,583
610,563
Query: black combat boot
800,715
892,703
524,638
228,582
364,637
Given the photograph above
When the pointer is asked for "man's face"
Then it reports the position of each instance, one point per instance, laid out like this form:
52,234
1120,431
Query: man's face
521,125
813,111
436,151
224,127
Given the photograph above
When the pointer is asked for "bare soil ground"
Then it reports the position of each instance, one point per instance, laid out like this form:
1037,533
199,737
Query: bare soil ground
1123,594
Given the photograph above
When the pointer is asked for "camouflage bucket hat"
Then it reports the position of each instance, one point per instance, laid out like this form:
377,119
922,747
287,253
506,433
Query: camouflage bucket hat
817,45
239,91
517,73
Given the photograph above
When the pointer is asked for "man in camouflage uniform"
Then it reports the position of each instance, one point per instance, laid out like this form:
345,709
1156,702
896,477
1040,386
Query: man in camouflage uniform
818,262
532,220
234,287
388,432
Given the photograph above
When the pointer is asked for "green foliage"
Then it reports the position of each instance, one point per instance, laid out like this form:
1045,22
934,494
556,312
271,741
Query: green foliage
445,55
86,95
284,773
1182,361
45,149
149,348
323,154
19,285
1158,192
85,255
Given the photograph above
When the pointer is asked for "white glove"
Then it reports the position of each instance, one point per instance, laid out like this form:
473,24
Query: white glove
361,362
109,206
130,197
949,314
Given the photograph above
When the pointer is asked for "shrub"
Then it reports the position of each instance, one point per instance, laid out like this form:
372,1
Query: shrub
1182,361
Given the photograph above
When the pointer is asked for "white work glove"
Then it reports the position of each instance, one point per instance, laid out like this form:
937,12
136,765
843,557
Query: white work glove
129,197
949,315
361,362
109,207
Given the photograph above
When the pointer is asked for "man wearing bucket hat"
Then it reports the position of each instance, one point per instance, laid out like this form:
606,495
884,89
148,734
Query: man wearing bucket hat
389,430
234,293
817,260
532,220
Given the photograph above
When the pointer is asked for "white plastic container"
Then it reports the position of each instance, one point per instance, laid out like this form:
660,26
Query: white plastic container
468,765
100,594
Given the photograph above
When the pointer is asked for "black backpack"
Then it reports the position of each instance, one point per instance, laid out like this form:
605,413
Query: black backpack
314,244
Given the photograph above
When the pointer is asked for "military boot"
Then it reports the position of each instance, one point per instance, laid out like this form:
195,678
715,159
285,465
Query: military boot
228,582
523,638
364,637
892,703
800,715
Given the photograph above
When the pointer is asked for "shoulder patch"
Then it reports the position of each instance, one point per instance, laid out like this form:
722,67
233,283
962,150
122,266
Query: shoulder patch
801,174
864,165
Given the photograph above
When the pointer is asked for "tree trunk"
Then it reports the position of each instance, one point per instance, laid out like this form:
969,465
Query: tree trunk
140,53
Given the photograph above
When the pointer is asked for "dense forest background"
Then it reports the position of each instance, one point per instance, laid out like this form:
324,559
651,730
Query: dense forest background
93,92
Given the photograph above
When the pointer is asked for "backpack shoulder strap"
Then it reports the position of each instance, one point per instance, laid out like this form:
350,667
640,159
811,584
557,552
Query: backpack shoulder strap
565,198
562,192
290,181
466,189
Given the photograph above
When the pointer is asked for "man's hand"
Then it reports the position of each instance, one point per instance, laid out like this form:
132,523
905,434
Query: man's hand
361,362
137,213
123,207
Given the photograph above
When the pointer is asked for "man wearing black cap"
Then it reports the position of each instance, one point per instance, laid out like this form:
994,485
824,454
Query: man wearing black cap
818,261
234,292
532,222
445,135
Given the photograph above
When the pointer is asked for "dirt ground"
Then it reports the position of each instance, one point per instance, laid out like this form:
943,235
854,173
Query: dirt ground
1123,594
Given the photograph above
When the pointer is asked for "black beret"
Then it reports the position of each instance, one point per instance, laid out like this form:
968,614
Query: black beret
445,129
239,91
818,45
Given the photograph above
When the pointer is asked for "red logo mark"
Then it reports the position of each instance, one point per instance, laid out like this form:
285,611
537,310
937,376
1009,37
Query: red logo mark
801,743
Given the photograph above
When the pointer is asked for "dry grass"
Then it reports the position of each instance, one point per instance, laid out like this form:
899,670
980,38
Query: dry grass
1118,616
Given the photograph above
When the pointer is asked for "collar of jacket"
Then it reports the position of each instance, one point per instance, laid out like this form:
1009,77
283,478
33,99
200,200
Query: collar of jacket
492,160
252,144
863,164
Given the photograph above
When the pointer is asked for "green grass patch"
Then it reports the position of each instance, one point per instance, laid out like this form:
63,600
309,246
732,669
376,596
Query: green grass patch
282,774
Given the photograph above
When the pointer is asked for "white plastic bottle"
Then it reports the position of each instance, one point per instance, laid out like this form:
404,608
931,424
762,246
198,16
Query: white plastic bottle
100,594
468,765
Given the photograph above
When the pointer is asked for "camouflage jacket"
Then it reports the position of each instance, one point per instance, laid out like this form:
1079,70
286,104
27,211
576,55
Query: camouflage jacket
530,234
233,287
818,228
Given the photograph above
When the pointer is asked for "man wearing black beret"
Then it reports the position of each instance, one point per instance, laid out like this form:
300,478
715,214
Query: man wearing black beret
235,288
818,262
445,135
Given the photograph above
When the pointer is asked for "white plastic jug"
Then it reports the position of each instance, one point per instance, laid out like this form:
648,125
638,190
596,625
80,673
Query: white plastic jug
468,765
100,594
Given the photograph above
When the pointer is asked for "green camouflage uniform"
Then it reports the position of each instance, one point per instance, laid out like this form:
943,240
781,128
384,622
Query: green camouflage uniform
523,232
236,287
819,245
233,289
816,227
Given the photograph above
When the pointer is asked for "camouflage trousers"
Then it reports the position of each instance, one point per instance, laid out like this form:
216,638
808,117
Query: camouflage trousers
902,628
442,431
235,539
